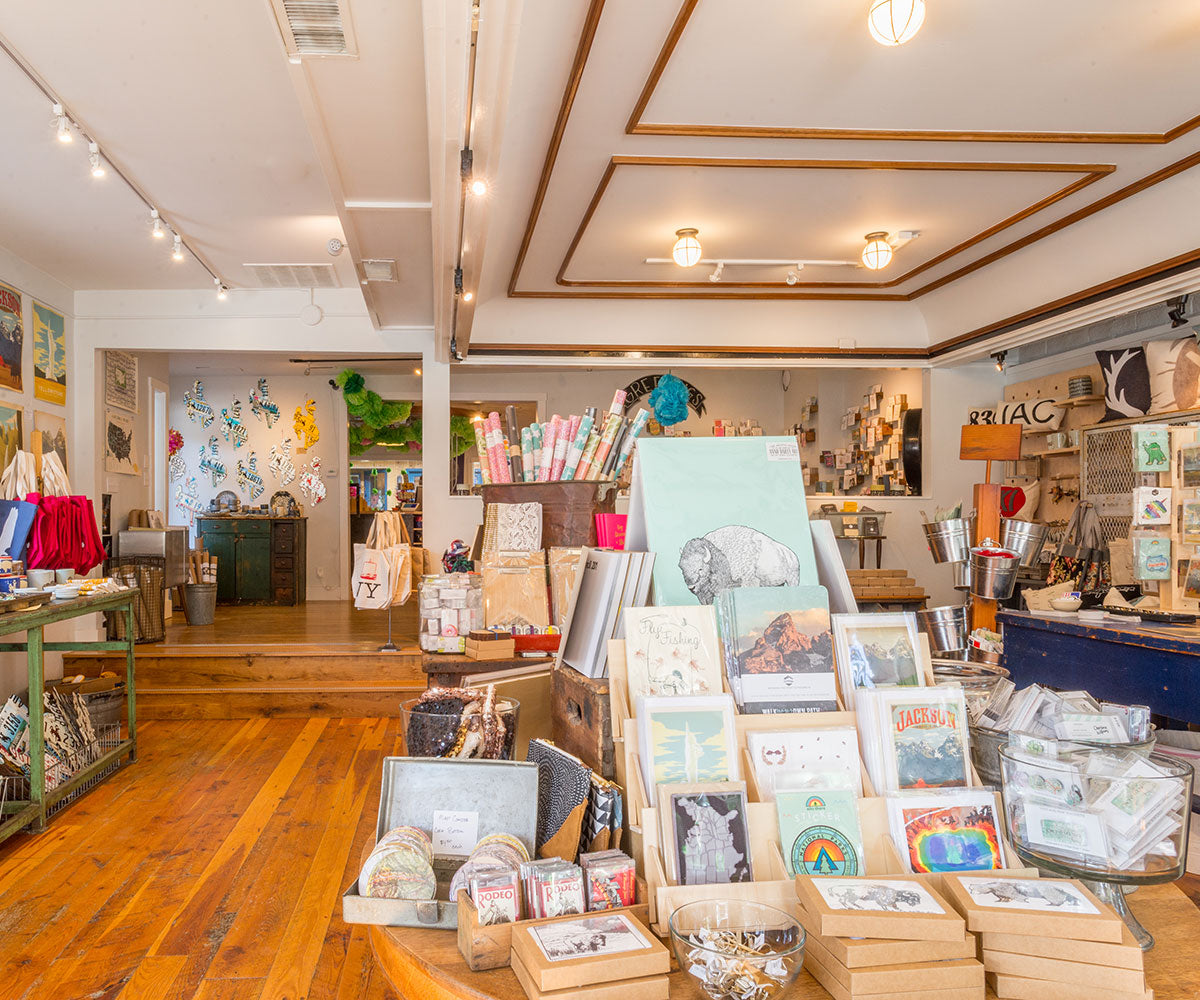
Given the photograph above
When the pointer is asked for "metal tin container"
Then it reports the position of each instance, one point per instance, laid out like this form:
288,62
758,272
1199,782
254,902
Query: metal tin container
501,795
947,627
993,571
949,541
169,544
962,574
1025,538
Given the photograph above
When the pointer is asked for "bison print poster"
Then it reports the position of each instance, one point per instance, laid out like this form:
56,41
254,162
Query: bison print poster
118,443
720,513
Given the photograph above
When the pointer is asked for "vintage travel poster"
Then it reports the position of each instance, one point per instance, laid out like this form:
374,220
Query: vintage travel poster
49,355
926,745
50,434
12,434
12,337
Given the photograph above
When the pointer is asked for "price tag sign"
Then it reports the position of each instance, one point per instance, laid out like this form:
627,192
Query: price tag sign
455,834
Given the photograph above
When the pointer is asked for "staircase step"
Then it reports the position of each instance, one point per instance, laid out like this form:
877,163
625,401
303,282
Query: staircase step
252,703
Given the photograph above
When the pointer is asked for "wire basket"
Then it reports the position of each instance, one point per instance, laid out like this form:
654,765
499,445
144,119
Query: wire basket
148,574
63,770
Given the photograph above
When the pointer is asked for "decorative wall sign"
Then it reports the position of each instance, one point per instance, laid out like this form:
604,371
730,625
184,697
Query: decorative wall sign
11,433
120,381
310,481
49,354
648,383
261,404
118,443
188,500
197,407
49,434
231,425
12,337
210,461
305,425
1044,414
176,466
279,461
249,478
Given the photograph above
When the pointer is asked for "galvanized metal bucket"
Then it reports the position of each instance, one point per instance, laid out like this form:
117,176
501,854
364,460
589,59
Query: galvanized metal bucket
1025,538
993,571
962,574
949,541
947,627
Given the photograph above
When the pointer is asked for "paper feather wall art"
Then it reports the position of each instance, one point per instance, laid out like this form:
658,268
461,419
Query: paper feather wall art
196,406
262,406
231,424
279,461
310,481
210,461
305,425
187,499
249,478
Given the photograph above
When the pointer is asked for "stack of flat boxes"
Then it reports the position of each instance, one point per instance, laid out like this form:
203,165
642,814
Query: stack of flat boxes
482,644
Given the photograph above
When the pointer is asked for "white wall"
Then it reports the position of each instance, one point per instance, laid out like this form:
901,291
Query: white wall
328,558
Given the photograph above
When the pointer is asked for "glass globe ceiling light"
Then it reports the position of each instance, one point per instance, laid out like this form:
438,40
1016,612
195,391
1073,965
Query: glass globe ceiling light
894,22
877,254
687,249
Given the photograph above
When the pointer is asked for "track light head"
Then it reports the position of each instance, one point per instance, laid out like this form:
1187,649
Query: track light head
458,281
177,249
94,160
999,357
222,291
157,230
792,277
63,129
1177,311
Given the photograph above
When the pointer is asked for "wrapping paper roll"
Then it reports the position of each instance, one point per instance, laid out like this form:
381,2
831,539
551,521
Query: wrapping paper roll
526,453
639,424
549,442
610,461
485,465
589,454
612,424
618,402
575,455
497,454
562,444
517,467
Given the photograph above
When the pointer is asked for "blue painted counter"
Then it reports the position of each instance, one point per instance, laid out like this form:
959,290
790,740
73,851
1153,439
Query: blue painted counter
1135,664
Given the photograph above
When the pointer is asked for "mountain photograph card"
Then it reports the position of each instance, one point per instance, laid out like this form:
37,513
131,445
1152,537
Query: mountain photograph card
778,649
672,651
876,650
720,513
801,759
955,831
819,832
924,738
687,740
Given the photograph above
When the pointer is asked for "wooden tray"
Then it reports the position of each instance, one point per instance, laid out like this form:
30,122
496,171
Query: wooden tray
11,605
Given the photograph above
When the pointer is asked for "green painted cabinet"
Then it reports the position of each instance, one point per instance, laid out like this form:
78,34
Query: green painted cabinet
259,559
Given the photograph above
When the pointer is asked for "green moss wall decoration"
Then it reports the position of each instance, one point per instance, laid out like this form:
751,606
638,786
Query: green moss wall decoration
390,422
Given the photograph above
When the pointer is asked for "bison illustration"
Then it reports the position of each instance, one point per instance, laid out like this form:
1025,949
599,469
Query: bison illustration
1017,892
736,556
876,896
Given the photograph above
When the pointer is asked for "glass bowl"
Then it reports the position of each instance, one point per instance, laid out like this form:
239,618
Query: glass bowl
454,728
1110,816
734,949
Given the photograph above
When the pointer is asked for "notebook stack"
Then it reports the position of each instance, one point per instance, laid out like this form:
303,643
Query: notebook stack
597,956
886,938
610,582
1045,937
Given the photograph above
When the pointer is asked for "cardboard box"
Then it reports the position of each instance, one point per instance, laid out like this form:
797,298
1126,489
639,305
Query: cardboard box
1040,911
861,953
1016,988
547,974
959,973
1126,955
492,650
879,906
1057,970
839,992
647,988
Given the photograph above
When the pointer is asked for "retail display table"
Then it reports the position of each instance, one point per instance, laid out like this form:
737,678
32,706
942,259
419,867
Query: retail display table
423,964
1137,664
32,812
448,669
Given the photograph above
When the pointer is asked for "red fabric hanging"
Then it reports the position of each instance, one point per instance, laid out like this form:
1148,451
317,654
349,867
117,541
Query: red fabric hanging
64,534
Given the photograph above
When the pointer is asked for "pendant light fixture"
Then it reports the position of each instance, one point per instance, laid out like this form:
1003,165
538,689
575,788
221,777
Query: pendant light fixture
687,249
894,22
877,254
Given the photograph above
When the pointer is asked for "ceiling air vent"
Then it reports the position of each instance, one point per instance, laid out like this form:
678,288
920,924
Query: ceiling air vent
315,27
380,270
294,275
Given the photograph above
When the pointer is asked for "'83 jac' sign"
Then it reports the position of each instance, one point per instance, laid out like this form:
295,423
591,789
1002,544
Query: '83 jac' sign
1044,414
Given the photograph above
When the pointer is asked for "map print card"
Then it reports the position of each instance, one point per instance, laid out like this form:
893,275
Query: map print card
1038,907
686,740
952,831
705,832
925,741
819,832
881,906
672,651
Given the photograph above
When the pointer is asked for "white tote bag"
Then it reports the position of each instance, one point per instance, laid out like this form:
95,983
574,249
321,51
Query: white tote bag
399,552
372,581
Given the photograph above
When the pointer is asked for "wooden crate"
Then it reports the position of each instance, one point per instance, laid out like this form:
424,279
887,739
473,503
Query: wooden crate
489,946
582,719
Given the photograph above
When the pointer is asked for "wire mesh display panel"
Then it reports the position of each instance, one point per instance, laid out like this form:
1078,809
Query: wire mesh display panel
1107,472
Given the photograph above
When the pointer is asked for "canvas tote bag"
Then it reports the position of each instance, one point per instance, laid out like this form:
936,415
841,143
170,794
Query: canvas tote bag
399,551
372,581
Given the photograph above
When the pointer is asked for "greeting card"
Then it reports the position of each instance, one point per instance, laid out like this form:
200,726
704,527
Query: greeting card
1152,505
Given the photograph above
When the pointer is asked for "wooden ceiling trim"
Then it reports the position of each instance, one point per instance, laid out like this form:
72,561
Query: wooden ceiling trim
1091,172
649,353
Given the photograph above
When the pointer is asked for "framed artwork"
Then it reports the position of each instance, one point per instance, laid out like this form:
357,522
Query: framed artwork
876,650
12,435
49,434
705,832
686,740
121,380
118,443
12,337
49,355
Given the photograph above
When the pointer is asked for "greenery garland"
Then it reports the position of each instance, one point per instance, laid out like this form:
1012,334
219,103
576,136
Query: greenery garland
391,423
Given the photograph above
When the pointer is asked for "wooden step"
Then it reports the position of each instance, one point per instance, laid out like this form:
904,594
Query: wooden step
276,703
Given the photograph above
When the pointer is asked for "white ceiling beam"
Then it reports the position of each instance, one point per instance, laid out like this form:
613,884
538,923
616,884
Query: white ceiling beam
388,206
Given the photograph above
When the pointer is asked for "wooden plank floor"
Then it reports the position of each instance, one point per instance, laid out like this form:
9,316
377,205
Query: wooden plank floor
211,869
325,624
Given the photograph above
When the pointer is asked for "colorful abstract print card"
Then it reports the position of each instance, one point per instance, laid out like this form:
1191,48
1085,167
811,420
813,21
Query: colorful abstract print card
947,832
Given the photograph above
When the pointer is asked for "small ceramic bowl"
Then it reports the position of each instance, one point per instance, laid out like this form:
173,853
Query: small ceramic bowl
1066,603
40,578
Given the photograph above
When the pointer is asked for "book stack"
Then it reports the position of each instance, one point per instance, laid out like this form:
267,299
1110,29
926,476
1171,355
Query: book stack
886,938
599,956
484,644
609,583
1049,937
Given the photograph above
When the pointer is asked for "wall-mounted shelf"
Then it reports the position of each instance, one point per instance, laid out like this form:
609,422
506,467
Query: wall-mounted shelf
1080,400
1054,451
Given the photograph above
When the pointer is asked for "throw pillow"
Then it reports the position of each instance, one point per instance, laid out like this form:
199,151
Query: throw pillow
1174,367
1126,383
